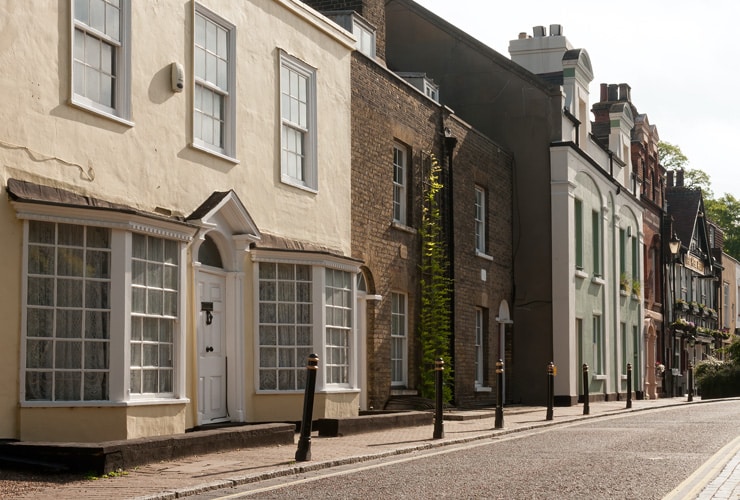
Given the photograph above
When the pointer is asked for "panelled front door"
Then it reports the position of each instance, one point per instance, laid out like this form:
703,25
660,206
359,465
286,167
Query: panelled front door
212,382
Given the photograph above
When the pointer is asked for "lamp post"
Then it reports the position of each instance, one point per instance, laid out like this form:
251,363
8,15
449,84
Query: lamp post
692,344
675,247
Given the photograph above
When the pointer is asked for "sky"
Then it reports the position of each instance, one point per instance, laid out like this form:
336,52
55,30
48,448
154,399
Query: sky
681,59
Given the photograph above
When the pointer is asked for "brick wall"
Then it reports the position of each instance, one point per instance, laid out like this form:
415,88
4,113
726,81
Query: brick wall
386,109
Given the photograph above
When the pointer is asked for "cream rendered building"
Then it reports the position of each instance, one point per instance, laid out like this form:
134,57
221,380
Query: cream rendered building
176,233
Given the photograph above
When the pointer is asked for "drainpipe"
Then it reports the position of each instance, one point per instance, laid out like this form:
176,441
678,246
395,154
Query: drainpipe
448,147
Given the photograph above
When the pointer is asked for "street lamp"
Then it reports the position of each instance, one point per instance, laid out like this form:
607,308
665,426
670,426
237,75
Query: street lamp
674,244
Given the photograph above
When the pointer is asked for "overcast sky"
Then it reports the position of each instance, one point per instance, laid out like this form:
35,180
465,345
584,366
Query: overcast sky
681,58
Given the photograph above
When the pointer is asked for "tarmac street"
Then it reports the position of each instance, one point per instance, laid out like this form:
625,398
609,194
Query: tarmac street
218,474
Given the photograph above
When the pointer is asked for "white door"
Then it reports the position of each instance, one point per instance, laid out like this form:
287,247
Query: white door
212,382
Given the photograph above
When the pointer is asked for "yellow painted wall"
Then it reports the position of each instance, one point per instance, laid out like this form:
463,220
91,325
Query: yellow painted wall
289,407
10,312
150,165
107,423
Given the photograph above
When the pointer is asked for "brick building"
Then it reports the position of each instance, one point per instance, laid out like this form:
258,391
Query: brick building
398,125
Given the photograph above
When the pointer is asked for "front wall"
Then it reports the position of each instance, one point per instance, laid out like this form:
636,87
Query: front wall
149,165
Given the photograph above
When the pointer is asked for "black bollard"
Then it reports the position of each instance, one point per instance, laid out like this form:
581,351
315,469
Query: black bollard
439,426
499,395
629,385
691,381
586,397
550,389
303,453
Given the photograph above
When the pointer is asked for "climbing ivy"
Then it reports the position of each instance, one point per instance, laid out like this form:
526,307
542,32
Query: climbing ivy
436,289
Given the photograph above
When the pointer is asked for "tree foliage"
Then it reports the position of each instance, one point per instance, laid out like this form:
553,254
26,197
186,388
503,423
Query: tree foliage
436,286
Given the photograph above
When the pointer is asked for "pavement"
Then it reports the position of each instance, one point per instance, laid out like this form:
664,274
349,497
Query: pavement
719,478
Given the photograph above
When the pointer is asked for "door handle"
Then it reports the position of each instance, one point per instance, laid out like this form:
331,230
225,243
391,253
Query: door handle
209,348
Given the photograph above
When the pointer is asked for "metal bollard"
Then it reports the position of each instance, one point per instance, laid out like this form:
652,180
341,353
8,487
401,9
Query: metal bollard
629,385
586,396
439,426
691,381
550,389
303,453
499,395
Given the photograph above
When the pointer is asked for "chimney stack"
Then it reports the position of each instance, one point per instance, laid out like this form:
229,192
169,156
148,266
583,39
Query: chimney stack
624,92
669,178
679,177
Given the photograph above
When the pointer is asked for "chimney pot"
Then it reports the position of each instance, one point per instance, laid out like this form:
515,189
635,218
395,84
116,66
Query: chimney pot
523,35
604,92
539,31
669,178
613,92
556,30
679,178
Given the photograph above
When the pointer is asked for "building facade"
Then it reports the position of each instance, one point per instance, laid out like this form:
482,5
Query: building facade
651,175
577,214
695,280
177,230
399,129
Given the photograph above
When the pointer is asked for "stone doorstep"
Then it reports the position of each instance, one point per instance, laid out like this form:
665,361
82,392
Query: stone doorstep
104,457
334,427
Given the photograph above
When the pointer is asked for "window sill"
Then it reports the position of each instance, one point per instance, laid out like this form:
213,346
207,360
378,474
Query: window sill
622,293
580,273
480,388
404,392
598,377
105,404
483,256
75,102
213,152
289,181
403,227
598,280
635,296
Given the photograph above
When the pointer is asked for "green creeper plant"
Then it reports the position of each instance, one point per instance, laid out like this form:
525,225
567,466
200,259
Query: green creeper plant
436,288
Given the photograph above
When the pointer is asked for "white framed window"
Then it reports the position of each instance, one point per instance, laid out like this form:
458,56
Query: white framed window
598,345
285,325
338,305
399,339
431,90
78,343
101,57
304,308
214,74
400,155
154,297
298,130
596,245
67,313
480,220
479,347
578,214
365,35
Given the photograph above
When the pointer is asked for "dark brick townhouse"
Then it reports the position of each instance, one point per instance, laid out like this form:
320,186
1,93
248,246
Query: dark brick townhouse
398,125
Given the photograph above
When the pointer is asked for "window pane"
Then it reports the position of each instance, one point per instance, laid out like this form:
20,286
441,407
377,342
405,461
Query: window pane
97,324
38,386
96,386
68,355
69,293
39,322
41,232
96,355
39,354
97,264
41,260
69,323
40,291
71,262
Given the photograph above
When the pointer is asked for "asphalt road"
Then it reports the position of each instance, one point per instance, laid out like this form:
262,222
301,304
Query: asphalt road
642,455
